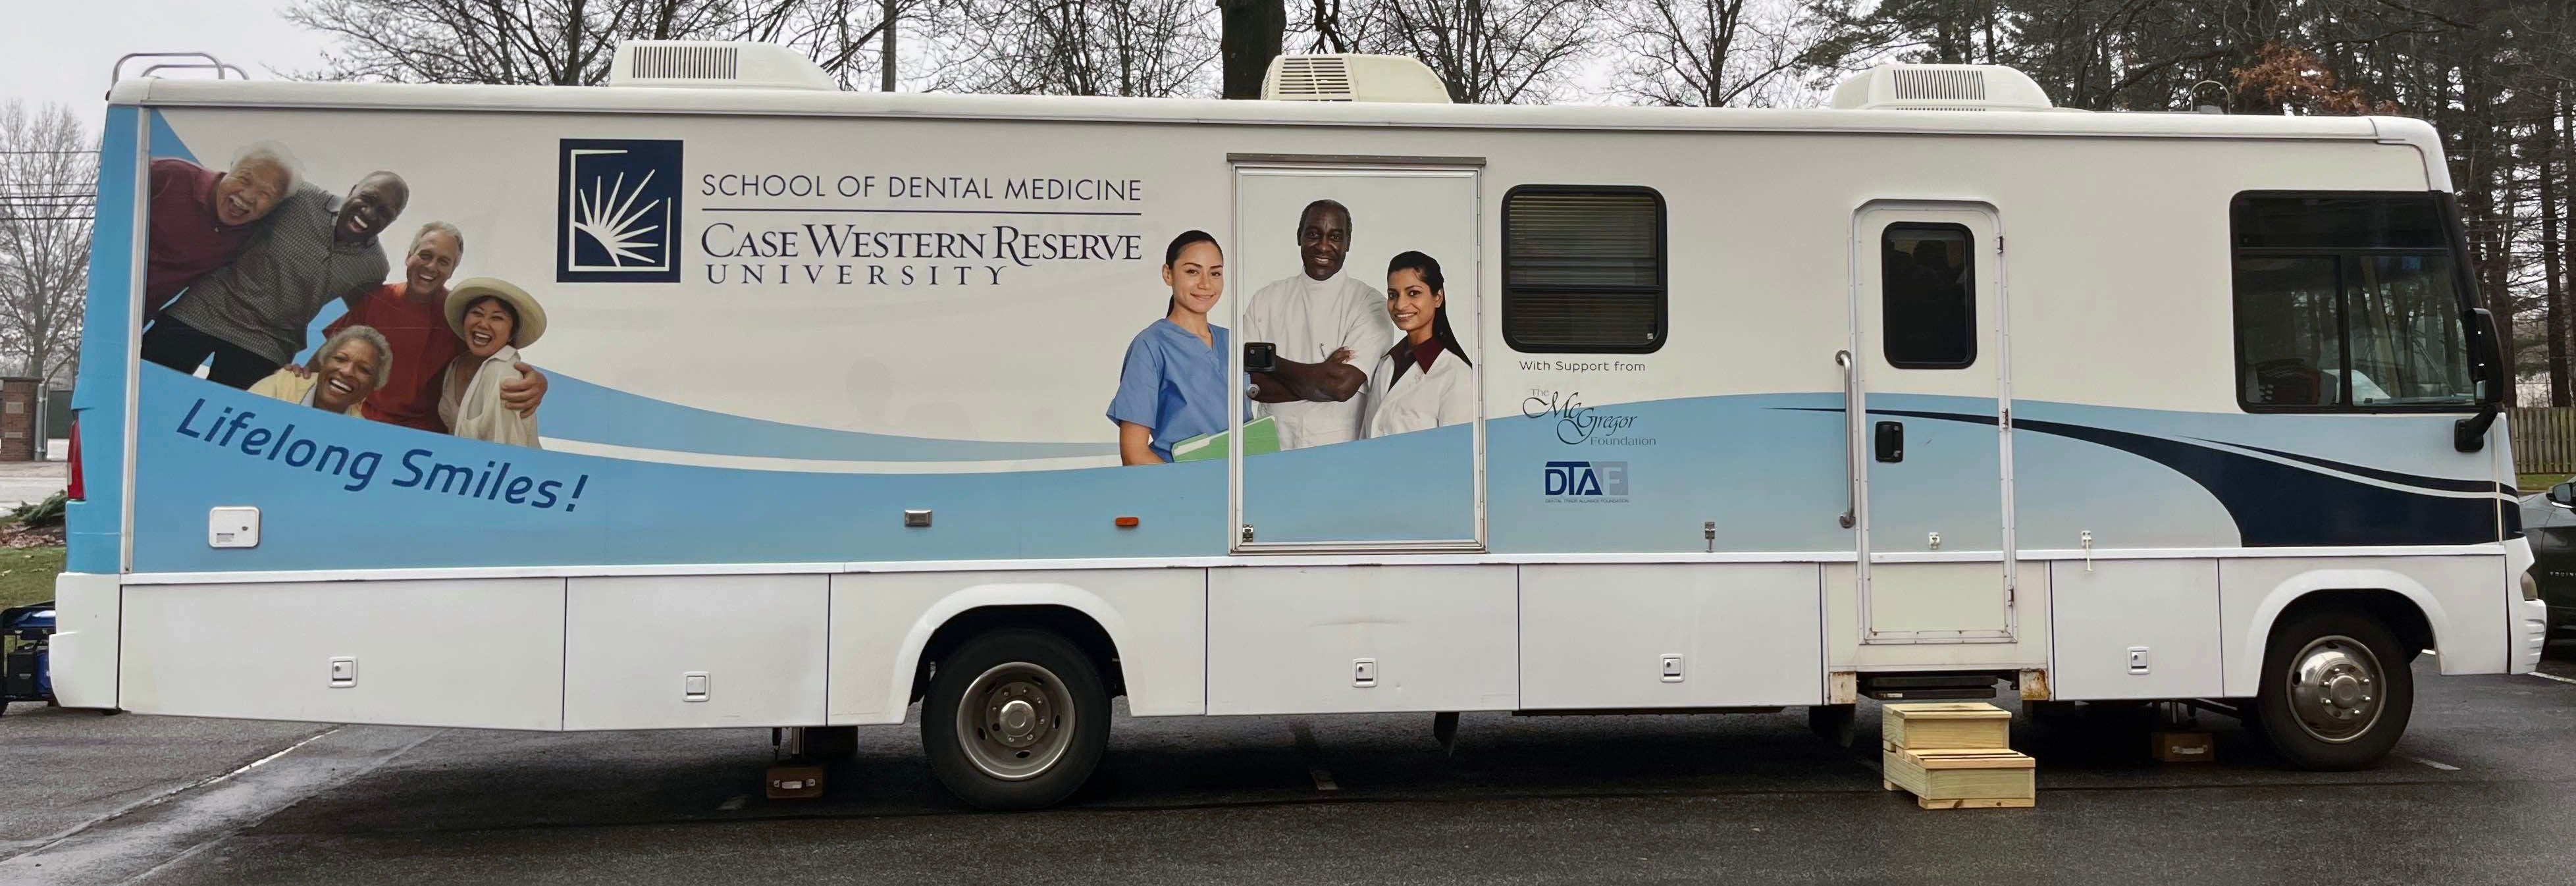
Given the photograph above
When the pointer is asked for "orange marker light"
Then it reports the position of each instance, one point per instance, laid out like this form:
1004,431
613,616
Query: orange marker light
1127,522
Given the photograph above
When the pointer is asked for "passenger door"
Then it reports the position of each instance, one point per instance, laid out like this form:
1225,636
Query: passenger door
1933,448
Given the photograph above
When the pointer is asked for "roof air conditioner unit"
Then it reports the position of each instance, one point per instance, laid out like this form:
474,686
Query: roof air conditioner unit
1352,78
693,64
1896,87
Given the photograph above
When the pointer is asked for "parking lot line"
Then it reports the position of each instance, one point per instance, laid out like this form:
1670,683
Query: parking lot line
2552,677
2437,764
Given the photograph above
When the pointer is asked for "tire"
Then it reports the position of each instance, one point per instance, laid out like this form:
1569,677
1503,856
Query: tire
2336,692
1015,719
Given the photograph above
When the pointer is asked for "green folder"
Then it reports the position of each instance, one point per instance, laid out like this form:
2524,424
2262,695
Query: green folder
1259,436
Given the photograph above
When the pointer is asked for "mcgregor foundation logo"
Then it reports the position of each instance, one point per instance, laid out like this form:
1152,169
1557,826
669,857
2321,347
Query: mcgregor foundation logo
618,213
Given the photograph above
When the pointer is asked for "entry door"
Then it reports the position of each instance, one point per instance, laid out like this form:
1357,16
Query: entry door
1392,467
1933,448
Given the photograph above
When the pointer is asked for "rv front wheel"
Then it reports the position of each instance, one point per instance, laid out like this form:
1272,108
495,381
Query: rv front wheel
1015,719
2336,690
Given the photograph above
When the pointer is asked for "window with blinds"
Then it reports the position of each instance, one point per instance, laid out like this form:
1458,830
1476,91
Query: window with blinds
1583,269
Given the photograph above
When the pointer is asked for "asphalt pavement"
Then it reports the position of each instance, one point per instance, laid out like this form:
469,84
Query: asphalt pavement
2477,793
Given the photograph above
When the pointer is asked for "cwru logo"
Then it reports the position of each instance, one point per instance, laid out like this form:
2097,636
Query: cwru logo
1587,478
618,218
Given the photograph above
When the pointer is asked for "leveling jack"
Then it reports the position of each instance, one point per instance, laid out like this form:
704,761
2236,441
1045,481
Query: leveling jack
797,756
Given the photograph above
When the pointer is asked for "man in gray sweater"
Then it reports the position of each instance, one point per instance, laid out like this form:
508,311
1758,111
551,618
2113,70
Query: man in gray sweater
250,316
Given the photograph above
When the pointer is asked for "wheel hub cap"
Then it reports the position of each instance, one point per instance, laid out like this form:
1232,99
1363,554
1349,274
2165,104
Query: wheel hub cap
1016,721
2335,689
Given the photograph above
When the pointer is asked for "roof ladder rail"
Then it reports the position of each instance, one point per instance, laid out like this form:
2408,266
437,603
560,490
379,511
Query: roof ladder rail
203,61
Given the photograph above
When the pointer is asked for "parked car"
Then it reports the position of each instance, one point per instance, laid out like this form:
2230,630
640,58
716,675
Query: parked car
2549,520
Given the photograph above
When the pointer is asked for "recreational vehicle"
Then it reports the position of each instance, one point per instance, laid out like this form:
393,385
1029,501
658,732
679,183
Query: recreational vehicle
715,397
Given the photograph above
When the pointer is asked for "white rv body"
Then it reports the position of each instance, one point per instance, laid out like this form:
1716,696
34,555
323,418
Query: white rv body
751,428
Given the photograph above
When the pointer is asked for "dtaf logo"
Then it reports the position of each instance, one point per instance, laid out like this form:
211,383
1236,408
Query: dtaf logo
618,218
1587,478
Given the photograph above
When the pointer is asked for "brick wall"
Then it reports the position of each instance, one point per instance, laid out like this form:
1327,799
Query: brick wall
18,418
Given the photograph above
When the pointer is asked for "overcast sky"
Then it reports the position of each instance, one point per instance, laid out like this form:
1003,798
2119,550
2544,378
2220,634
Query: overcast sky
61,50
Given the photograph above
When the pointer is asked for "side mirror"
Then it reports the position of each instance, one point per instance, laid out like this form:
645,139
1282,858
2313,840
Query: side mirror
2563,495
2470,434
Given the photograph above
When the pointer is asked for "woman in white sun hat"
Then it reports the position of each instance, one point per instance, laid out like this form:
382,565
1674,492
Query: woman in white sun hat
495,319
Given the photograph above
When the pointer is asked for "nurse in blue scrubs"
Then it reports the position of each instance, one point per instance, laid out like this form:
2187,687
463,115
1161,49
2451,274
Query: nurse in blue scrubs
1173,386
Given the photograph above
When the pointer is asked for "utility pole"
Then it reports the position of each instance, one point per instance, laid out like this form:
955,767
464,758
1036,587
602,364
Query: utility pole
885,51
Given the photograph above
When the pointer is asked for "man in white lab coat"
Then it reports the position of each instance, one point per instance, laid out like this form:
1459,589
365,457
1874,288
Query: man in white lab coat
1317,321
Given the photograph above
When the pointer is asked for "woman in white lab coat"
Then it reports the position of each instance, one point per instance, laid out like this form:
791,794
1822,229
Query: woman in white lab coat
1426,380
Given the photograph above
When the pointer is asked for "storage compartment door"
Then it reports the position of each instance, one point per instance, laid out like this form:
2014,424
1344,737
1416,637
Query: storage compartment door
679,652
1353,639
2135,629
1670,635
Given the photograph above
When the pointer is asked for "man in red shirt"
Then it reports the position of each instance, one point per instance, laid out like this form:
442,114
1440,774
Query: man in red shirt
412,315
201,217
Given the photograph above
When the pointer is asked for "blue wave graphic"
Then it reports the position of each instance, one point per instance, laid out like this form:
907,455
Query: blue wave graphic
579,410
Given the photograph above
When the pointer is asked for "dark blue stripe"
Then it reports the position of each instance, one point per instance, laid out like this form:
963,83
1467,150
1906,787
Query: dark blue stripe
2277,505
2444,484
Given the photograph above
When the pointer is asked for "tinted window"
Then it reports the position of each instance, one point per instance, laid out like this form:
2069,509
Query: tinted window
1583,269
2286,337
2292,221
1927,296
2347,301
2407,346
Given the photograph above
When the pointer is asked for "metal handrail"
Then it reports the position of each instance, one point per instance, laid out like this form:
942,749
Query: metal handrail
1851,432
208,62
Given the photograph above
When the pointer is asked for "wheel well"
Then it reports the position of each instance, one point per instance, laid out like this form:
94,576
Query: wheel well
2390,608
1062,621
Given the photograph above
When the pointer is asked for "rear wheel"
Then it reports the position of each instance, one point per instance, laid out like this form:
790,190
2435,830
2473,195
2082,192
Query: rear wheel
1015,719
2336,690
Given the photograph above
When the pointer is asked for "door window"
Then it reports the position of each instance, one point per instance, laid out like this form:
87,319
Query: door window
1928,296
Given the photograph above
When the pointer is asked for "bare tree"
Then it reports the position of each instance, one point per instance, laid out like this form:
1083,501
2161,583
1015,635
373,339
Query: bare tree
1710,53
1485,51
572,42
1142,48
48,184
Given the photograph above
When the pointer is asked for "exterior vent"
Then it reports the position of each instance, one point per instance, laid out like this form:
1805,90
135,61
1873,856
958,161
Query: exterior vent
684,62
1352,78
1311,78
1897,87
690,64
1940,85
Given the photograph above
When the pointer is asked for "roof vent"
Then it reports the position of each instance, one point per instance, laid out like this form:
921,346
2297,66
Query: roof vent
1895,87
1352,78
711,65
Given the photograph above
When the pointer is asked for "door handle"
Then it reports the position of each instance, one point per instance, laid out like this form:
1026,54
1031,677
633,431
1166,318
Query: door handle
1891,441
1851,437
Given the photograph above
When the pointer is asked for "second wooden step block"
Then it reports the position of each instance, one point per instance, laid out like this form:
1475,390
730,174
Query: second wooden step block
1961,778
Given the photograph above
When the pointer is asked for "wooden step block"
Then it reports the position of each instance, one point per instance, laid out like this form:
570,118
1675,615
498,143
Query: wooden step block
1961,778
1932,725
2183,746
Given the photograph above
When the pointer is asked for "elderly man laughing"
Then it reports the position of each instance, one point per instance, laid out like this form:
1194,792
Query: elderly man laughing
202,217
